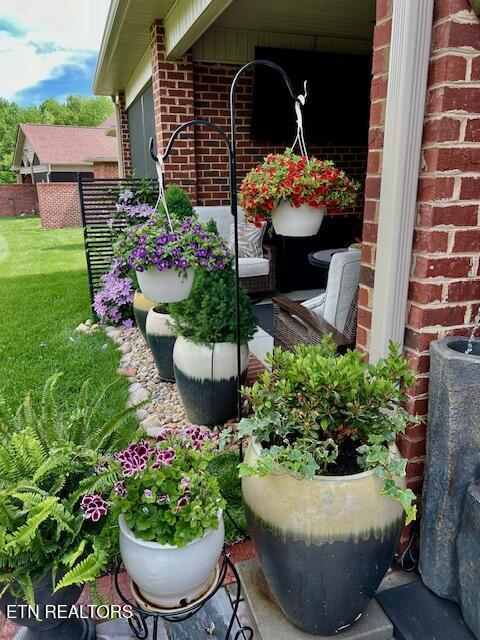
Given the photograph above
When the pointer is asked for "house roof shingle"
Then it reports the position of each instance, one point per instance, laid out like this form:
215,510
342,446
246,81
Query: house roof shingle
62,144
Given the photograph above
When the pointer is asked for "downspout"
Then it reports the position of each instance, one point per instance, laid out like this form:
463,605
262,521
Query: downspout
404,116
121,167
49,172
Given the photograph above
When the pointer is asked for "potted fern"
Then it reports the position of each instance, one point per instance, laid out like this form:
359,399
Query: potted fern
205,352
323,482
50,546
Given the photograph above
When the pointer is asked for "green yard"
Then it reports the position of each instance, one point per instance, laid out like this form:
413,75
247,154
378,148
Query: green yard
44,296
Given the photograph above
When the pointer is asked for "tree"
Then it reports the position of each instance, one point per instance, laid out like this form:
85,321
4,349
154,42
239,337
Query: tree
76,110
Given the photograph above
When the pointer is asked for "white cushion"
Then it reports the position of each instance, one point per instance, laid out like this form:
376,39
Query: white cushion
250,239
222,216
253,267
316,305
342,283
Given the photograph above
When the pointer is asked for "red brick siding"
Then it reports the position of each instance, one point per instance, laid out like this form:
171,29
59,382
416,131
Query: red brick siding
102,170
17,198
172,84
59,205
444,291
125,136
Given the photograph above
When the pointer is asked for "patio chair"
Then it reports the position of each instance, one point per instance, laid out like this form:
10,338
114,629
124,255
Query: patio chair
257,275
334,311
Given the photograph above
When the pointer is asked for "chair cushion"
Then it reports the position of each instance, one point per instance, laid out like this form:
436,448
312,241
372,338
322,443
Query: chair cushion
250,239
252,267
316,305
221,215
342,285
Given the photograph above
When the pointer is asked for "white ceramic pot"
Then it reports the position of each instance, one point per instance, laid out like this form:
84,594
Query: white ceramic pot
206,378
169,576
297,222
169,285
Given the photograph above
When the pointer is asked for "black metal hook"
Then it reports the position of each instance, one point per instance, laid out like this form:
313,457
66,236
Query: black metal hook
182,127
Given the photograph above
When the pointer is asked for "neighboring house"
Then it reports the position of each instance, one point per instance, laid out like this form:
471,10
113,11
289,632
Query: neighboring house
59,153
166,62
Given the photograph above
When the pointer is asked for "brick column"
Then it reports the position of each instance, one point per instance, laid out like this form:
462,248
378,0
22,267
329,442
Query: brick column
124,133
378,95
173,100
444,290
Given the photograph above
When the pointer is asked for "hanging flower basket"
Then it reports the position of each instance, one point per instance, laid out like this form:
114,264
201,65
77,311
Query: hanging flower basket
293,192
164,258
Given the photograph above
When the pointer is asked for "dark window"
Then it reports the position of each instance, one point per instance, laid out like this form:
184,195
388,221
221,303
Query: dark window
69,176
141,123
40,177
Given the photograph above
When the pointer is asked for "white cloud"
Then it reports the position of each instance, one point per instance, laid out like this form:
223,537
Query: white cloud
50,34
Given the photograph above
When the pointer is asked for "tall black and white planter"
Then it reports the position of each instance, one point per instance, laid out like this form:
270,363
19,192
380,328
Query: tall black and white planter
141,307
161,340
206,377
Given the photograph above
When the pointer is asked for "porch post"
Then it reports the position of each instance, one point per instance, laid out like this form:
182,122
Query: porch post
405,108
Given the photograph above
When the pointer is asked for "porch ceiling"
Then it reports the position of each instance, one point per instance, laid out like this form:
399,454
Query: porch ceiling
125,40
340,18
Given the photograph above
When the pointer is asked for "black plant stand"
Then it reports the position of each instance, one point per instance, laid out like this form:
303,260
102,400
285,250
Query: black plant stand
138,621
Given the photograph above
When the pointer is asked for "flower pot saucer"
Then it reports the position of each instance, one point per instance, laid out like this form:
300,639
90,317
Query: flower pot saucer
144,604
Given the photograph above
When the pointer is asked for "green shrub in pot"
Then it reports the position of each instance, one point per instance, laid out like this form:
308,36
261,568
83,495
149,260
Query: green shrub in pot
205,353
323,482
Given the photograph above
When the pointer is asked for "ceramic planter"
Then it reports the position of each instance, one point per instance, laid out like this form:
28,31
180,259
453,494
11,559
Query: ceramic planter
168,285
141,307
297,222
49,627
206,377
169,576
161,339
324,544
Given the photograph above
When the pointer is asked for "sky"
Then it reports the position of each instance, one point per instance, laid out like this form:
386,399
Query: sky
49,48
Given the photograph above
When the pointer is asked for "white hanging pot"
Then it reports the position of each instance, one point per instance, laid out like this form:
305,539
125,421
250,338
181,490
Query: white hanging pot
297,222
168,285
169,576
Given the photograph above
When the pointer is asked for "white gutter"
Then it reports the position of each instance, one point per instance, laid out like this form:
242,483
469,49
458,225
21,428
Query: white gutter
405,110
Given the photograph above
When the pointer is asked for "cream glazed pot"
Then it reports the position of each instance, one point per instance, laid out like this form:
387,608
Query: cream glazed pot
169,576
161,340
206,378
297,222
169,285
324,544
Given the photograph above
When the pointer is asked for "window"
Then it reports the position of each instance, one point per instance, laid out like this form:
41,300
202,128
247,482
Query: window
141,123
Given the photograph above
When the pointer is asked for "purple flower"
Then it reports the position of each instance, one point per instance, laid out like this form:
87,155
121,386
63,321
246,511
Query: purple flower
148,494
101,466
127,324
125,196
163,457
185,480
134,459
94,507
119,488
163,498
165,433
182,502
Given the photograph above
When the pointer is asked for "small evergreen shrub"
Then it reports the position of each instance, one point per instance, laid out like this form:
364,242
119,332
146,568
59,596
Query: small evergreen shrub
209,314
178,203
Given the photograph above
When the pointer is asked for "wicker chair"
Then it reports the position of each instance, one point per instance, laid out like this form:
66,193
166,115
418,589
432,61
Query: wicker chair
336,313
263,284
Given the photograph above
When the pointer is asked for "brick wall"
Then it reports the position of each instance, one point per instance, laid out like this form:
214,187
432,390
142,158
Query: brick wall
125,136
186,89
59,205
173,103
444,292
102,170
17,198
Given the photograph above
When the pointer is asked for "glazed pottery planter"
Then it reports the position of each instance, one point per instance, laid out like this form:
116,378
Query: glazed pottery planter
206,377
169,576
324,544
141,307
297,222
168,285
161,339
49,627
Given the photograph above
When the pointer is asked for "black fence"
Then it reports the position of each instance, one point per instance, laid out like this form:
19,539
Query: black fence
98,199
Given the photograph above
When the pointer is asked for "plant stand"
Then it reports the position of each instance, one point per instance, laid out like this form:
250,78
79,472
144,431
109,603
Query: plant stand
138,621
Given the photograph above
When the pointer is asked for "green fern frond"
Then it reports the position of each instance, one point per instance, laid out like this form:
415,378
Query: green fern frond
92,484
85,571
57,460
25,582
104,432
70,558
24,535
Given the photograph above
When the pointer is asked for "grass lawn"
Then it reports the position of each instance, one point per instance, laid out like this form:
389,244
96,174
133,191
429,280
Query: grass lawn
44,295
